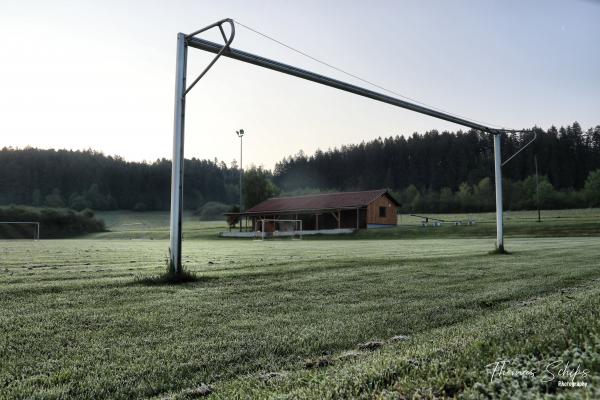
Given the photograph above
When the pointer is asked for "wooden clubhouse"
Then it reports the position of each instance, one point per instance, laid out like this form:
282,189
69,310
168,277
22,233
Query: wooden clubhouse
327,211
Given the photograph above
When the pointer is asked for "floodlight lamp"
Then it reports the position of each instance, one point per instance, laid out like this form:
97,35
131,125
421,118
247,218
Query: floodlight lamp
240,133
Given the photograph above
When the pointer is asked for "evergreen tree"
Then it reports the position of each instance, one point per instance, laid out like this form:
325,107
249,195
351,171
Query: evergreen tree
592,188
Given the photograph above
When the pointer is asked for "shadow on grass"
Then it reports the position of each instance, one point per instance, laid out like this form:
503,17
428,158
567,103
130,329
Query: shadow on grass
169,278
498,251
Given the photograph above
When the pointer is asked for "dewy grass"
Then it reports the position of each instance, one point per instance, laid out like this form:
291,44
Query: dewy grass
169,277
514,353
73,324
498,251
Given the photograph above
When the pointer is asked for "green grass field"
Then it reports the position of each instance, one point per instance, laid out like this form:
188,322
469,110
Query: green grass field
581,222
409,316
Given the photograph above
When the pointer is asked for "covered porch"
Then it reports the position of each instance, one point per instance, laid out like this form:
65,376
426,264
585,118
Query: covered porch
312,220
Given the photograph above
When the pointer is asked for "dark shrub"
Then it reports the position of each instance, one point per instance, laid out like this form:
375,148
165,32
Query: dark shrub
54,222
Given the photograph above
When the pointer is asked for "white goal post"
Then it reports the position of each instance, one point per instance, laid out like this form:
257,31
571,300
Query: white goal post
280,228
36,226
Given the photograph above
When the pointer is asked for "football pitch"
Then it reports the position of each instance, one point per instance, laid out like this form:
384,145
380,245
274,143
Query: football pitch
335,318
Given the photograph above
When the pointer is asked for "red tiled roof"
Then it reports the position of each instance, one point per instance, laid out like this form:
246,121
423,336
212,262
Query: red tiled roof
323,201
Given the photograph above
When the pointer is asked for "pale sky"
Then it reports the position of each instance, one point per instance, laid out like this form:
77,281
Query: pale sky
100,74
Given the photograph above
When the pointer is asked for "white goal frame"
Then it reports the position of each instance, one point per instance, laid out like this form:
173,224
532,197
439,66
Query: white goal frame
36,232
184,42
295,232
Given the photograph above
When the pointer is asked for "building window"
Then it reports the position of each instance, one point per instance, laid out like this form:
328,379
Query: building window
382,212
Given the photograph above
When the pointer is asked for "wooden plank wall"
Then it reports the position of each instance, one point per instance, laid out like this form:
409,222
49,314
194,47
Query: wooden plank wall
391,217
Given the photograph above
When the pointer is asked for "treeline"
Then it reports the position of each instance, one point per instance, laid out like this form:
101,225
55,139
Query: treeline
430,172
518,195
434,161
89,179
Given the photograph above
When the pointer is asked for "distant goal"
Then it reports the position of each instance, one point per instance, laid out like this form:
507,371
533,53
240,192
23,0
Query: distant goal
278,228
19,230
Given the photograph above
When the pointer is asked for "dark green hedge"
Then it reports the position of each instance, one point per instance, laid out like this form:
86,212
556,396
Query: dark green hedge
54,222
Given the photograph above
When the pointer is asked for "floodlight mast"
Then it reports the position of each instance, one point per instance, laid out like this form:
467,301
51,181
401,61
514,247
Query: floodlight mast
185,41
